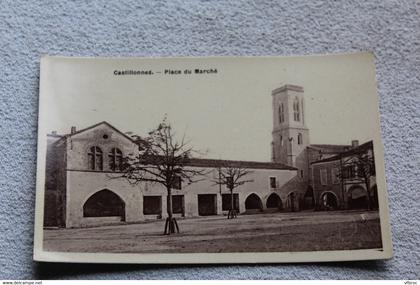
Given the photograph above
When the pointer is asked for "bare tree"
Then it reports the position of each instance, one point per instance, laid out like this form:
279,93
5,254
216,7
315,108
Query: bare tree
231,176
164,160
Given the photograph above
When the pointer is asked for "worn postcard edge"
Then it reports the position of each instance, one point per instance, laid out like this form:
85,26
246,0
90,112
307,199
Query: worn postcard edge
204,258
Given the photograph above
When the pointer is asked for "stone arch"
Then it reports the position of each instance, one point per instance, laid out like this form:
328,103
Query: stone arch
357,197
274,202
329,201
104,203
253,202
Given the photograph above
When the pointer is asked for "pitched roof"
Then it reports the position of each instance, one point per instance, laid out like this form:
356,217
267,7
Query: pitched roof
359,149
205,162
330,147
94,126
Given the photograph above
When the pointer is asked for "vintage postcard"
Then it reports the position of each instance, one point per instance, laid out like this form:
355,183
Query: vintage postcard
210,160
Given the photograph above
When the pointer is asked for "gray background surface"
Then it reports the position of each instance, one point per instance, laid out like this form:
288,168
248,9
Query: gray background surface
197,28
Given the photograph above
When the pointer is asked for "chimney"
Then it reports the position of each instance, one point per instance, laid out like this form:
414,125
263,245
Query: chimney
354,143
72,130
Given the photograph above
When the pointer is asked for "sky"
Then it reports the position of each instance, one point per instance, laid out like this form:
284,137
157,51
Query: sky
228,114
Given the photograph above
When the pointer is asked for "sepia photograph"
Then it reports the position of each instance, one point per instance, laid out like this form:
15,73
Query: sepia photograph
217,159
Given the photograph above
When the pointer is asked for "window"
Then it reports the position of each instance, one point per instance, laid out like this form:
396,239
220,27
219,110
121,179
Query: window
226,202
115,159
177,182
296,110
357,170
281,140
178,204
299,138
229,182
323,176
273,183
334,175
349,172
301,173
95,159
152,205
281,113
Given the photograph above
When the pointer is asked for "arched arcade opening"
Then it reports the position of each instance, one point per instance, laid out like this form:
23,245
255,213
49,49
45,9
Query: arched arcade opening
274,202
253,203
329,201
104,203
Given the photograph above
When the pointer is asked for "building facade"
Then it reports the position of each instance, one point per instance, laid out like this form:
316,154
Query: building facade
291,146
83,186
346,180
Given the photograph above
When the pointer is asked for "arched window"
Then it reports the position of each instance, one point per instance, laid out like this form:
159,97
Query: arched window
95,159
299,138
281,113
296,110
115,159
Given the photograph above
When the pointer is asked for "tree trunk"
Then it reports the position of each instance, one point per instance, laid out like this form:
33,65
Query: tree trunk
171,226
232,212
169,203
231,200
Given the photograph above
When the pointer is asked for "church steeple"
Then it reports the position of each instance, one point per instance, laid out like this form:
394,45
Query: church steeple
290,134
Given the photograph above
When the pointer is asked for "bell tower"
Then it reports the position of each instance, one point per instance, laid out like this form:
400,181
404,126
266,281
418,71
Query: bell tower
290,134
